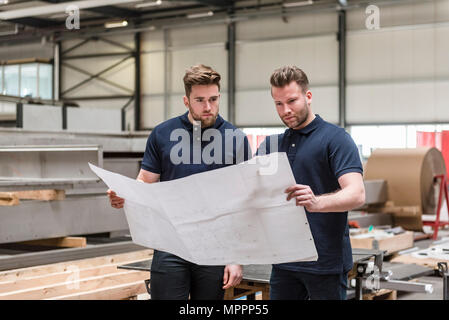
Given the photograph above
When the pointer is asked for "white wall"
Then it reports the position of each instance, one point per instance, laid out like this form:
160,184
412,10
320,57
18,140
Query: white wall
399,73
184,47
263,45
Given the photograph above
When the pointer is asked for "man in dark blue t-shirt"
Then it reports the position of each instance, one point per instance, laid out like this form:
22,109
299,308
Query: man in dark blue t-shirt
328,172
197,141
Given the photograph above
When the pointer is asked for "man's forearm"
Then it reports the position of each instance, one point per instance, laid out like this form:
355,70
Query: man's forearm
341,200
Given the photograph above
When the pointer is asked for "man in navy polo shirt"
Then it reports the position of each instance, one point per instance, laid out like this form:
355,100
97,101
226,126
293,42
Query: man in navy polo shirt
180,147
328,172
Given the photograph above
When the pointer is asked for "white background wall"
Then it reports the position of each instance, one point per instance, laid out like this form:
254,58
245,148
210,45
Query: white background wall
307,41
399,73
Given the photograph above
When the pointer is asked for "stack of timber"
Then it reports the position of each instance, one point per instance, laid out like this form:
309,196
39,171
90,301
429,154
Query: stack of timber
86,279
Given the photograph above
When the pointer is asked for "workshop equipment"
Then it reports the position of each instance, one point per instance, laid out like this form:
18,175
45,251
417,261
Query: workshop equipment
370,275
257,277
391,240
443,271
442,193
409,174
84,209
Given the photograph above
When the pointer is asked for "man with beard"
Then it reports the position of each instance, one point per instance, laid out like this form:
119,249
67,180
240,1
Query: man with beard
328,172
171,276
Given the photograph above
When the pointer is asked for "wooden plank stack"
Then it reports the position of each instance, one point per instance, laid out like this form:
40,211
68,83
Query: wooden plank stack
86,279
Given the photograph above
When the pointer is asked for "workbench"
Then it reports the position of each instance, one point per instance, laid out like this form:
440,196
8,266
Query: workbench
256,278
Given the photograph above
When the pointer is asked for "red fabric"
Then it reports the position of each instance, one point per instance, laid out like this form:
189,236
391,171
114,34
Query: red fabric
438,140
260,139
251,142
445,148
425,139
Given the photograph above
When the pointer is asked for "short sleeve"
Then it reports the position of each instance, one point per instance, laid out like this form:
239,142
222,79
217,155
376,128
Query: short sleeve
343,154
152,158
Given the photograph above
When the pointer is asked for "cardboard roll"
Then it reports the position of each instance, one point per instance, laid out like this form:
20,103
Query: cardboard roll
410,180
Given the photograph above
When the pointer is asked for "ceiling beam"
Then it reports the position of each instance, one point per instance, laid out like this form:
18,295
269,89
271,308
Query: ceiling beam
57,8
35,22
109,11
217,3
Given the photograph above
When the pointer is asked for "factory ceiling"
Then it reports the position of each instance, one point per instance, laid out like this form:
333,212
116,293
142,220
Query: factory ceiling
53,20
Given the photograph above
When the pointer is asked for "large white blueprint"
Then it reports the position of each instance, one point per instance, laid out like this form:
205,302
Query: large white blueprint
233,215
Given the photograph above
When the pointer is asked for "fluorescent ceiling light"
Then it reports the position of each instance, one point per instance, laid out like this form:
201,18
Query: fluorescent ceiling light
149,4
297,4
116,24
200,15
57,8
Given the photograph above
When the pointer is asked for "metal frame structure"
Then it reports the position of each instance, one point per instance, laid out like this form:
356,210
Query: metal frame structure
228,12
230,47
133,95
342,67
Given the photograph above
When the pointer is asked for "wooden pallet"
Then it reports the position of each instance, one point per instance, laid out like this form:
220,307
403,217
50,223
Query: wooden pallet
248,289
62,242
382,294
86,279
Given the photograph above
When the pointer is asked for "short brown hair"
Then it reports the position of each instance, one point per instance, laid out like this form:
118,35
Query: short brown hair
200,75
284,75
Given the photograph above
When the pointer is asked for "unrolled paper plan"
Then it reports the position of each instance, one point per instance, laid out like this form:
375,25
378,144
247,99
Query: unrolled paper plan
233,215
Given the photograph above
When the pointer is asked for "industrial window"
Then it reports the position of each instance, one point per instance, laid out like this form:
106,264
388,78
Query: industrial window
368,138
28,80
33,80
45,81
11,80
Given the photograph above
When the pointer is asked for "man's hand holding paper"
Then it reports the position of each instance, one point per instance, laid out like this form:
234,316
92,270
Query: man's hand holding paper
232,215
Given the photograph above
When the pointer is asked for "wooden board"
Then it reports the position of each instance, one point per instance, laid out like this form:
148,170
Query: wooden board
64,242
8,199
109,293
12,198
72,272
30,272
394,244
382,294
26,60
75,285
45,195
425,262
93,278
246,288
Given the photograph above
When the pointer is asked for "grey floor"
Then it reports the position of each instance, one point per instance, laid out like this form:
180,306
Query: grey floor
436,281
